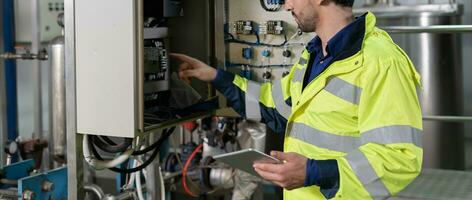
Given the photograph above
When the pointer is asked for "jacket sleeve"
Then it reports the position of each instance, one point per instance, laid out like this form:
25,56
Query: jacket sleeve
390,124
269,103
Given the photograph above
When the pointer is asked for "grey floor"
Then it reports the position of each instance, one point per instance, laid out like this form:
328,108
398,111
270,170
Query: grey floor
434,184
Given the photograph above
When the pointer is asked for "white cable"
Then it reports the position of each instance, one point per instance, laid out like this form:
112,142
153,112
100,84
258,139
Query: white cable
139,188
99,164
133,165
131,181
132,177
143,171
163,188
296,34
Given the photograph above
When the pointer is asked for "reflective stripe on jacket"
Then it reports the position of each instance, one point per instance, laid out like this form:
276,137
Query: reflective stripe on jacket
362,111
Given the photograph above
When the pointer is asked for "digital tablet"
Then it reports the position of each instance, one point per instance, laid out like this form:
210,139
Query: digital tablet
244,159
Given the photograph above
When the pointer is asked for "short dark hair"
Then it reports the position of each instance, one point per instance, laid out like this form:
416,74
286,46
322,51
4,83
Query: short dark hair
345,3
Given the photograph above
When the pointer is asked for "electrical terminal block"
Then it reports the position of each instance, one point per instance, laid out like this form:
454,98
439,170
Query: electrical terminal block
243,27
273,27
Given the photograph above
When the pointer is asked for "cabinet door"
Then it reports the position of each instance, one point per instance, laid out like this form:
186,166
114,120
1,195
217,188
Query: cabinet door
106,49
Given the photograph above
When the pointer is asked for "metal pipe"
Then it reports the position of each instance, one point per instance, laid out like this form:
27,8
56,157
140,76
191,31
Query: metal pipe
386,2
58,97
172,175
448,118
429,29
8,181
222,177
368,3
41,55
36,72
95,189
122,196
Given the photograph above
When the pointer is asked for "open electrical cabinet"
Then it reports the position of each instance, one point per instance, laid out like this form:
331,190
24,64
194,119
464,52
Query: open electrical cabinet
125,81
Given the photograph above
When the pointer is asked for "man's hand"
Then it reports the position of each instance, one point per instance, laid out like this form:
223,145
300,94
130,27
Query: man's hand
289,175
192,67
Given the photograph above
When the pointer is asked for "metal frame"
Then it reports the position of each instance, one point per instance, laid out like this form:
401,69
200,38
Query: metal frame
448,118
140,59
75,171
47,185
3,113
429,29
417,10
219,20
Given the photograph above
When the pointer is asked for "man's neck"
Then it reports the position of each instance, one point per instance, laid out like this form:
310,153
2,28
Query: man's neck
331,22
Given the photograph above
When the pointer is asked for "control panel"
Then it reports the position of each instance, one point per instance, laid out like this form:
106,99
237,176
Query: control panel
156,76
48,12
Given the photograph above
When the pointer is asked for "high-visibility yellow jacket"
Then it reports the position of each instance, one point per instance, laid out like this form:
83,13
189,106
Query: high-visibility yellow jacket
362,111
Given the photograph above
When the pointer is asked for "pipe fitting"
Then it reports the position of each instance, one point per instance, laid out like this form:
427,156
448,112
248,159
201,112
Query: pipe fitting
47,186
28,195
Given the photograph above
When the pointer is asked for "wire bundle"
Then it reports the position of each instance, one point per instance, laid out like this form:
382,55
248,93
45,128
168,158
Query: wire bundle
258,42
107,145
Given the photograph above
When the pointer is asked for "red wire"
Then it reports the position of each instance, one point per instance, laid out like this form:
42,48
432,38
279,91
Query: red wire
184,171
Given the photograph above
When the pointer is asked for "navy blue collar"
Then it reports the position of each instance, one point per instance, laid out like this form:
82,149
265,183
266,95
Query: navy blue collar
347,42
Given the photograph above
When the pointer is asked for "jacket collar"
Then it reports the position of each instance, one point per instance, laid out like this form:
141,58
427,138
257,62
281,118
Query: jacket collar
346,42
348,61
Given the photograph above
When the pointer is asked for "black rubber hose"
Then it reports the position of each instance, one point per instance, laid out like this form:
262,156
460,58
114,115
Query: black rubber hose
152,146
118,148
154,154
139,152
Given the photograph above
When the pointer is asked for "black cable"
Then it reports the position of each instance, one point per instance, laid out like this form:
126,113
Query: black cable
258,40
118,148
159,142
230,35
257,43
152,146
126,171
107,140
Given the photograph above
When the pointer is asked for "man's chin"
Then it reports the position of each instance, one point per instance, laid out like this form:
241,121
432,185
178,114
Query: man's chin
304,30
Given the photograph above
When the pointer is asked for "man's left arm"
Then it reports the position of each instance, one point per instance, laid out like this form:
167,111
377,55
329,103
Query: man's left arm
390,123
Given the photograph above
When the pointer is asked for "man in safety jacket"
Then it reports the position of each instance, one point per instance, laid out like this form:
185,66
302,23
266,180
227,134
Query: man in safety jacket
349,108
